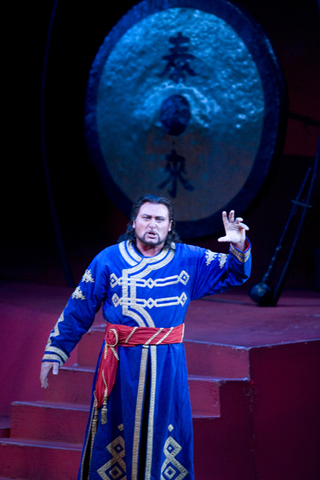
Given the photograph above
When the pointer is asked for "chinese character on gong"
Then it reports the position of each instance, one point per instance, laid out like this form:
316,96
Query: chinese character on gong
176,171
178,60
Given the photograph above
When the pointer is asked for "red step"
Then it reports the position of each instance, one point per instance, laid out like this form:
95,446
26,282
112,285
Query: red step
90,346
74,384
71,385
202,358
62,422
36,460
214,437
223,447
204,396
46,437
4,427
222,361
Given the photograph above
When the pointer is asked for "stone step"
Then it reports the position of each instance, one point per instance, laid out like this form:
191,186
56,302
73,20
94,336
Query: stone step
71,385
74,384
66,422
2,478
57,422
224,446
4,427
202,358
36,460
212,360
226,437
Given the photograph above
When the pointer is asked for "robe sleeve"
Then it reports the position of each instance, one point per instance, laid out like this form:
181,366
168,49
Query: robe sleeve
217,272
79,313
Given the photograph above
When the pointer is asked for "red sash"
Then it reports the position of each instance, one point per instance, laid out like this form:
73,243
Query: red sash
127,337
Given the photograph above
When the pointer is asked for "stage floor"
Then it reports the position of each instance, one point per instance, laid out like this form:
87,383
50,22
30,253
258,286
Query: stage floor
231,318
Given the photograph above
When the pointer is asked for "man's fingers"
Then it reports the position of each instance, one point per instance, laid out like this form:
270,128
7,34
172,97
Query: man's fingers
223,239
231,216
45,369
224,218
243,225
229,221
228,218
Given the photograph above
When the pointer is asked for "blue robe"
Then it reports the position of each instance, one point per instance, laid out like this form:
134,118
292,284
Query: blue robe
149,421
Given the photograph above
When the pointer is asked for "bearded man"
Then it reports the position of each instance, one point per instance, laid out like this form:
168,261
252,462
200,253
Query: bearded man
140,423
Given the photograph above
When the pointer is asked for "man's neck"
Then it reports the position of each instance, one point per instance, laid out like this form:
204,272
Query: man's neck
148,250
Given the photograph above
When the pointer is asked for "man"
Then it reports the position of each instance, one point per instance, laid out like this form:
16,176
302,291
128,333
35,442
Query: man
140,422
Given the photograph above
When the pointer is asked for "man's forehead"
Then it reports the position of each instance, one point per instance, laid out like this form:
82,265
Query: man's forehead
154,209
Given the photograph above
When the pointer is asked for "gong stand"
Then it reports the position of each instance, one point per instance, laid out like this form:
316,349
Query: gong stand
262,293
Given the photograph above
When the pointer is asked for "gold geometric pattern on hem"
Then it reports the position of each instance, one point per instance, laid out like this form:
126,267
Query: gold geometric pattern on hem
115,468
171,468
150,302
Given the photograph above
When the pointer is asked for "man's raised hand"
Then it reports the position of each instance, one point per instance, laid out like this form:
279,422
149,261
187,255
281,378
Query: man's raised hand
235,230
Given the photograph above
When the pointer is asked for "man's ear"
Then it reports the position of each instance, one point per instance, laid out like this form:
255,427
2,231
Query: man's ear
170,225
134,224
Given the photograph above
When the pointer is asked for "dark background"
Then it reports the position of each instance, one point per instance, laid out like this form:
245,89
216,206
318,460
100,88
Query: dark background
88,219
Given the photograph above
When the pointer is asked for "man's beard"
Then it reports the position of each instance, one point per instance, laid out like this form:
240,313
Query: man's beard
150,242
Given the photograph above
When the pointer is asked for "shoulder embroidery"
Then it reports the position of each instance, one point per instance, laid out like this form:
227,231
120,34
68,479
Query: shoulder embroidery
222,259
210,256
77,294
87,277
213,255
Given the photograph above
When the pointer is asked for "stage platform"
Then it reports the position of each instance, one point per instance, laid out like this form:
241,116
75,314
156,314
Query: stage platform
254,379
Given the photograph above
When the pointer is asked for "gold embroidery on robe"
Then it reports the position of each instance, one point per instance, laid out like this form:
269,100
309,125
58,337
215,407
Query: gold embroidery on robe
153,351
115,468
78,294
241,256
138,416
171,467
87,277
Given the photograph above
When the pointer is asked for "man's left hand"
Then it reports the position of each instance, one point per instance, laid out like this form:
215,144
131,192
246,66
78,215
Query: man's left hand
235,230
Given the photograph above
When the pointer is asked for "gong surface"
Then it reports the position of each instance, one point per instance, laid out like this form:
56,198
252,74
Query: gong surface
184,100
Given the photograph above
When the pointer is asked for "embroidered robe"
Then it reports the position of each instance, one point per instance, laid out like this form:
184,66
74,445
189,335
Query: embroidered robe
148,433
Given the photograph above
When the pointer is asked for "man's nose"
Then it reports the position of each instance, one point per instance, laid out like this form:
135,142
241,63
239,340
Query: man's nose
152,223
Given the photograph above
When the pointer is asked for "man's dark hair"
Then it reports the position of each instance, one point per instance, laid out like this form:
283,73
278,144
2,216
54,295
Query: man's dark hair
150,198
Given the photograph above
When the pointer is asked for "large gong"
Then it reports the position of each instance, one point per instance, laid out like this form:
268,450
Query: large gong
185,99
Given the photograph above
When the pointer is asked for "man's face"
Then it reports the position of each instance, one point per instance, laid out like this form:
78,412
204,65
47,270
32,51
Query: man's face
152,224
